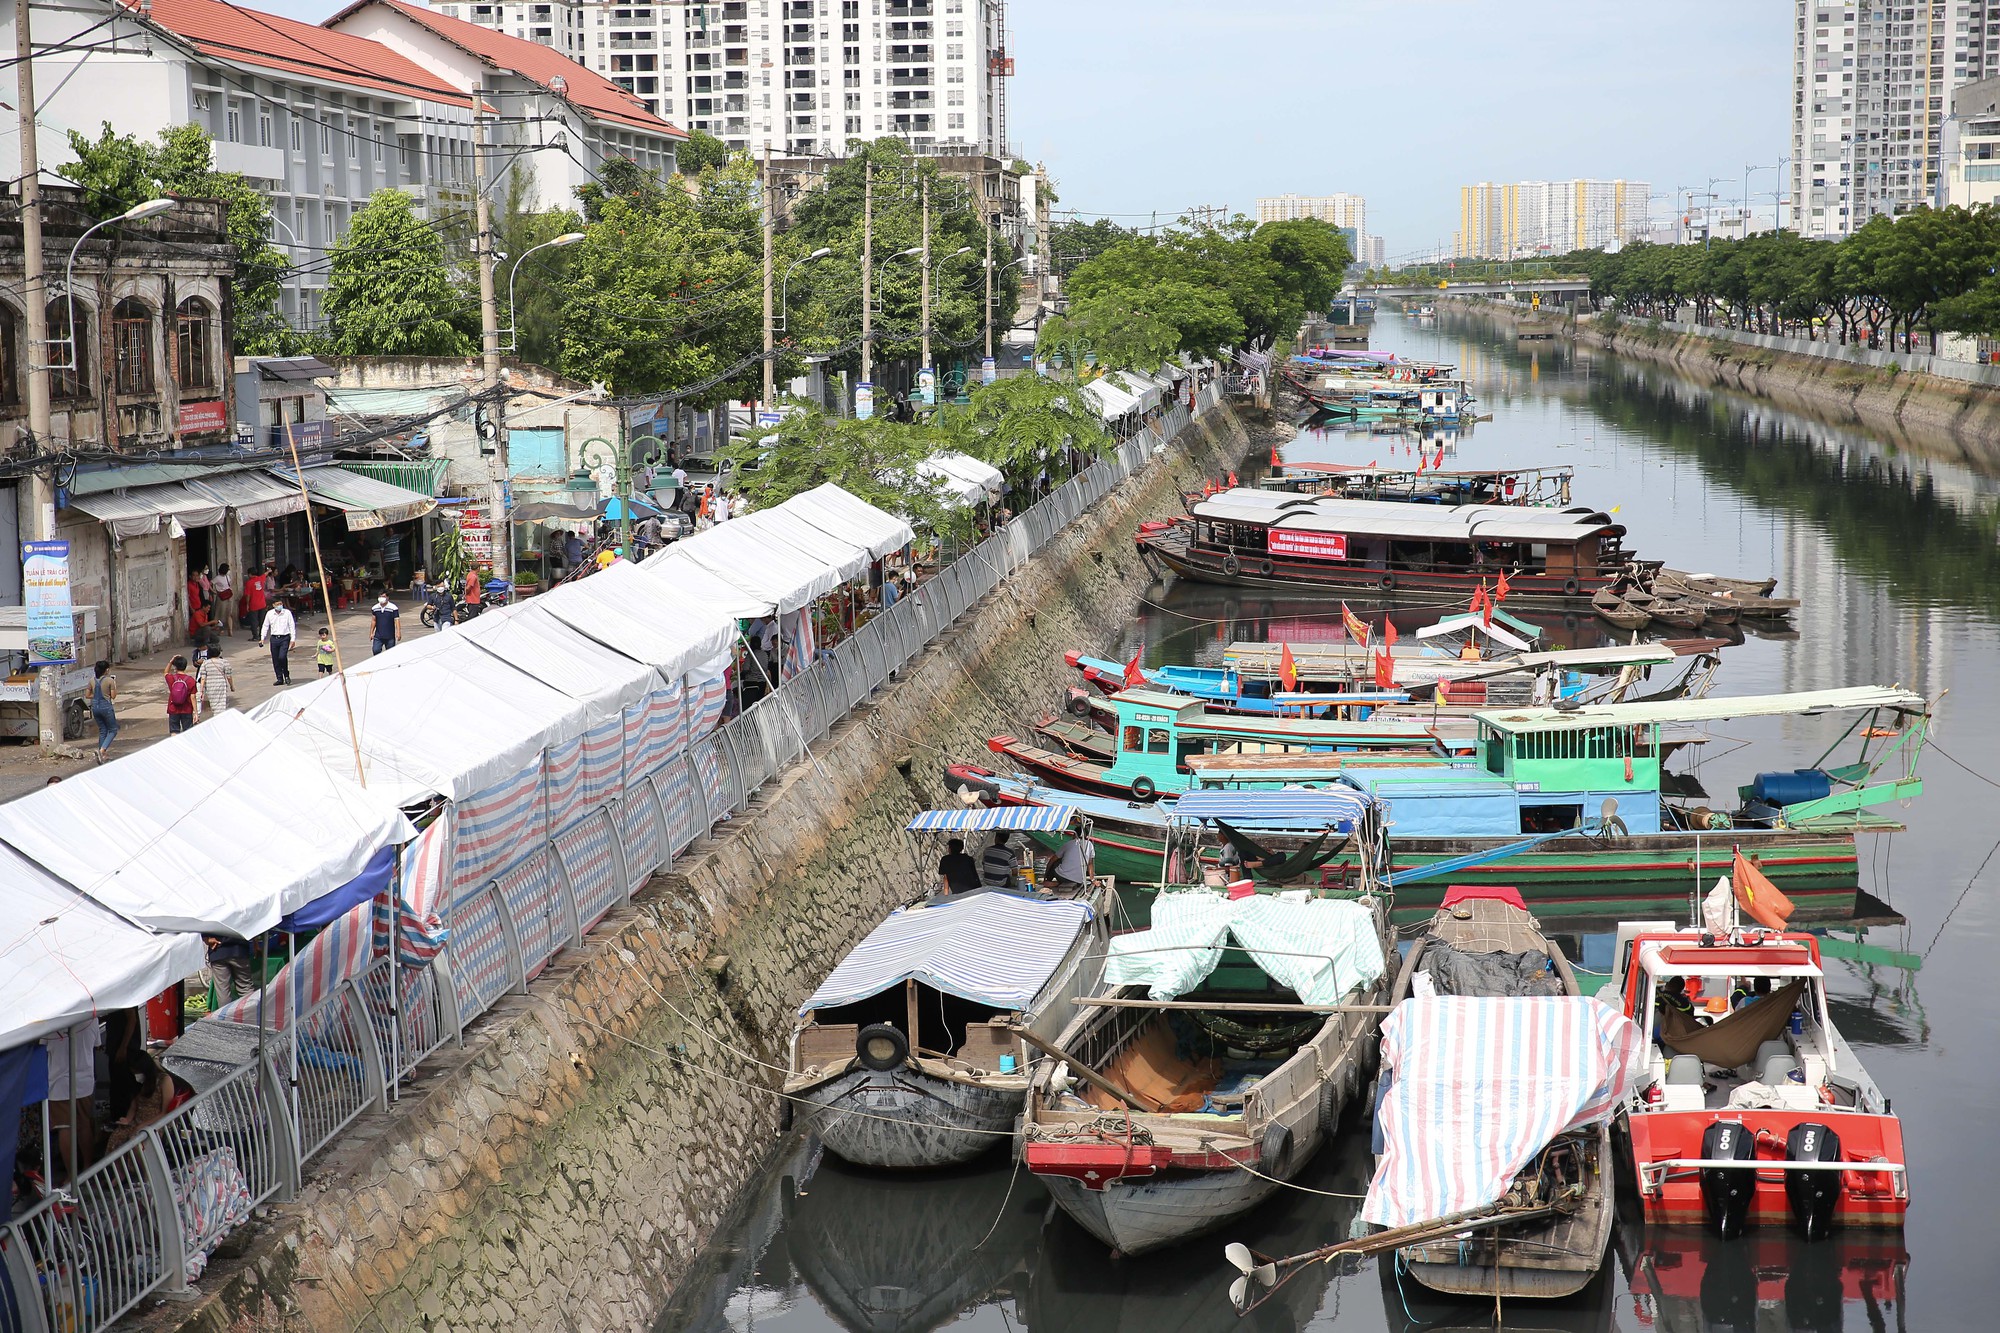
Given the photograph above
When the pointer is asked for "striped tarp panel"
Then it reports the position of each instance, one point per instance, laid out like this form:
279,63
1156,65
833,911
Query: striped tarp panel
478,950
796,630
426,886
675,782
592,866
656,730
563,783
638,825
534,895
705,699
603,766
1335,809
711,771
495,827
1026,818
340,951
1477,1086
990,948
1321,948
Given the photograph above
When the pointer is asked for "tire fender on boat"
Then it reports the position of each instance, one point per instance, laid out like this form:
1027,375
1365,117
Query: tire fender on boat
1264,568
1275,1148
1078,705
1230,566
1571,587
1143,788
881,1047
1386,582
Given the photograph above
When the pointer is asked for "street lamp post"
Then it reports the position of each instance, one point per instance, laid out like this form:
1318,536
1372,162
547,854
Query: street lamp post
629,452
513,322
926,250
992,277
785,287
152,208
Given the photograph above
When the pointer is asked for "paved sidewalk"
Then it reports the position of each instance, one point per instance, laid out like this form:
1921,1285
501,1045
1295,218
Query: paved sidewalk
142,693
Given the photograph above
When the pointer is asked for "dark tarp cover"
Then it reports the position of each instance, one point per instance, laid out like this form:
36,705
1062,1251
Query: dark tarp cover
1734,1040
24,1080
1489,974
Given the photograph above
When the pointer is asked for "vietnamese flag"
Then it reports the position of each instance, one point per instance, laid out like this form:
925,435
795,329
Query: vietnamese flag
1500,589
1288,670
1485,604
1478,599
1385,671
1135,678
1758,896
1388,632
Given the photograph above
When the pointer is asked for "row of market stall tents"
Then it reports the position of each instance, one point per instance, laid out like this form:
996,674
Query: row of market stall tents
553,753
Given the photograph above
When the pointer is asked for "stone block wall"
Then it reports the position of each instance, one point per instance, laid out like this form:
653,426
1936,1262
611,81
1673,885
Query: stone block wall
565,1167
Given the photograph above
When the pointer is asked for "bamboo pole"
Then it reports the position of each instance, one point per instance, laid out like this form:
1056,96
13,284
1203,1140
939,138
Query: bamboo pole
1084,1071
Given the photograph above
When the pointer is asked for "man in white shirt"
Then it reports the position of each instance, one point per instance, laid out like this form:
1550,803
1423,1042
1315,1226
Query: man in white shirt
1072,865
279,628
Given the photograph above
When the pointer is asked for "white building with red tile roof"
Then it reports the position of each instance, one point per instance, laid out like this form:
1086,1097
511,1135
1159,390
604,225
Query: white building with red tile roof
554,118
318,119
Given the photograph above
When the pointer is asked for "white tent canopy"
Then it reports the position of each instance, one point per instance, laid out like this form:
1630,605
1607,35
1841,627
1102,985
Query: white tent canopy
970,479
696,585
221,830
530,638
672,629
437,715
787,529
67,958
1114,402
836,511
780,578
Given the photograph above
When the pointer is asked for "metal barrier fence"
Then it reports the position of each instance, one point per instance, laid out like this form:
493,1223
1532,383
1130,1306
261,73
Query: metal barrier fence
144,1218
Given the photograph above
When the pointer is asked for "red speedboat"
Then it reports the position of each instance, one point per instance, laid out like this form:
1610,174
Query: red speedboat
1752,1110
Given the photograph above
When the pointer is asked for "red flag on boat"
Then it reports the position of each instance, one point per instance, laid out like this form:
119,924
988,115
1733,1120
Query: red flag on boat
1288,670
1440,463
1385,671
1388,632
1420,464
1758,896
1135,678
1478,599
1486,605
1232,479
1357,628
1500,588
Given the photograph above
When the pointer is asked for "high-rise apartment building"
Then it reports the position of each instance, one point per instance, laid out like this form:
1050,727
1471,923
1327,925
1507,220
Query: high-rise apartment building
1508,221
801,77
1342,210
1872,83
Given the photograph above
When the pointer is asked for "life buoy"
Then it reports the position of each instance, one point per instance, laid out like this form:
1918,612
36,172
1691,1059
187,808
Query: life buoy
1229,565
1143,788
1572,587
881,1047
1386,582
1264,568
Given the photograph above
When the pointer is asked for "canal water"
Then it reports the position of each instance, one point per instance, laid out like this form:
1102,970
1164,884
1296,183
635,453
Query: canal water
1895,558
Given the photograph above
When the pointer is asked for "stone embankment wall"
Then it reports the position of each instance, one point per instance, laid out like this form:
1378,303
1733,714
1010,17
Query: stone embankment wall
566,1166
1945,418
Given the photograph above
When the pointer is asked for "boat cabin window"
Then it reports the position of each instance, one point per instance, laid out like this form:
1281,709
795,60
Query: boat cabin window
1256,689
1133,740
1550,818
1158,741
1579,743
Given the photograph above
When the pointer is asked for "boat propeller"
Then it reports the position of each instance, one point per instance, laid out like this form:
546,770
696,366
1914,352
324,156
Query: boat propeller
1249,1265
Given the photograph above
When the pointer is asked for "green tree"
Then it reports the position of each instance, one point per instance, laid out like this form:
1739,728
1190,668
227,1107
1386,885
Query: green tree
1026,424
390,289
538,285
620,178
1072,243
1311,259
118,171
879,461
701,151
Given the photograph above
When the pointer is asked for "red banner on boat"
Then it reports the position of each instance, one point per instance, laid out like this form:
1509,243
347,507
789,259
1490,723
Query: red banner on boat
1313,545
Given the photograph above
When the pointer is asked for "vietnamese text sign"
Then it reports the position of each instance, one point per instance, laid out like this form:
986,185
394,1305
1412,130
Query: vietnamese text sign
46,603
197,417
1313,545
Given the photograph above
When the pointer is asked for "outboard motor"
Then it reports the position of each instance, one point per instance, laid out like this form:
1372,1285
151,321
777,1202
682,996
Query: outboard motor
1813,1195
1727,1193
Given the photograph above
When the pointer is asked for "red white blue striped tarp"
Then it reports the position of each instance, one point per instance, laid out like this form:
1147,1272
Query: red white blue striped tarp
1477,1086
978,819
496,828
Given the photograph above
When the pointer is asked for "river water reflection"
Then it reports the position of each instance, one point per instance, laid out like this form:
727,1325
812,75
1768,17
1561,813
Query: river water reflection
1895,558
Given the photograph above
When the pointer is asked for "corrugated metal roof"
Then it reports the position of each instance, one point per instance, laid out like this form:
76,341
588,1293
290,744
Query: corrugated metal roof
367,502
255,496
1704,710
422,475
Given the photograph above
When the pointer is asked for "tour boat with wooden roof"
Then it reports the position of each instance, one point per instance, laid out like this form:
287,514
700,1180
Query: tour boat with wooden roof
915,1051
1751,1109
1265,539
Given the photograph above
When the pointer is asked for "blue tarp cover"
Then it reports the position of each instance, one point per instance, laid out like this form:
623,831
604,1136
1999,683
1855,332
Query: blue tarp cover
978,819
990,948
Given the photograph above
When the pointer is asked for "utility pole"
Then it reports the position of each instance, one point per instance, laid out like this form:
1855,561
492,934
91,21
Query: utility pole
927,286
867,272
769,404
489,341
989,287
38,497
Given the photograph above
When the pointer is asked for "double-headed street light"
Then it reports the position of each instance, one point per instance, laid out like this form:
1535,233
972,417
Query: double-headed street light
628,452
513,324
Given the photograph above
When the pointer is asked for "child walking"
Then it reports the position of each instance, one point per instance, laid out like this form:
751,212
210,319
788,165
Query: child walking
324,652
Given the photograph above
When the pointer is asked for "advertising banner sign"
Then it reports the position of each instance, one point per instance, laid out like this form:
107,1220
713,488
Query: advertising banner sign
1313,545
46,603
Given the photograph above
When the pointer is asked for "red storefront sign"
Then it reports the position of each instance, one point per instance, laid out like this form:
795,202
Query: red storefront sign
1312,545
198,417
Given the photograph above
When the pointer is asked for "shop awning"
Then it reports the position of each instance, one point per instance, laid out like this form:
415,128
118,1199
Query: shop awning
367,502
425,476
254,496
139,512
847,516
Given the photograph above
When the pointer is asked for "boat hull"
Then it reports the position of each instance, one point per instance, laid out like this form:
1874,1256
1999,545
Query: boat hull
1136,1216
1307,577
1868,1199
909,1120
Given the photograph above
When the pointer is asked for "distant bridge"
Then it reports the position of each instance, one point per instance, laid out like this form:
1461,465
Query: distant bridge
1504,287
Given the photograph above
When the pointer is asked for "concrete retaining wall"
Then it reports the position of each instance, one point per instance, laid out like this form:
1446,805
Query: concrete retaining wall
565,1167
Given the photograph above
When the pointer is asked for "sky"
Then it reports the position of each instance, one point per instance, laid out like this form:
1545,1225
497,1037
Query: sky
1144,107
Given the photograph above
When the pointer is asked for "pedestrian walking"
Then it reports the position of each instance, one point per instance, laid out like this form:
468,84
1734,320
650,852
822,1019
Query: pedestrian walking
215,683
472,593
103,698
323,655
180,696
225,601
233,964
279,627
388,620
256,597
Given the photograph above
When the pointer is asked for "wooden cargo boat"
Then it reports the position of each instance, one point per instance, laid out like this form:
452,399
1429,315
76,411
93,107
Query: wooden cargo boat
1263,539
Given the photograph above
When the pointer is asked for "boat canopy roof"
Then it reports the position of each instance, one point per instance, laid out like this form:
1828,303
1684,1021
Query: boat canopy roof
1340,809
1321,948
1704,710
1391,518
991,948
981,819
